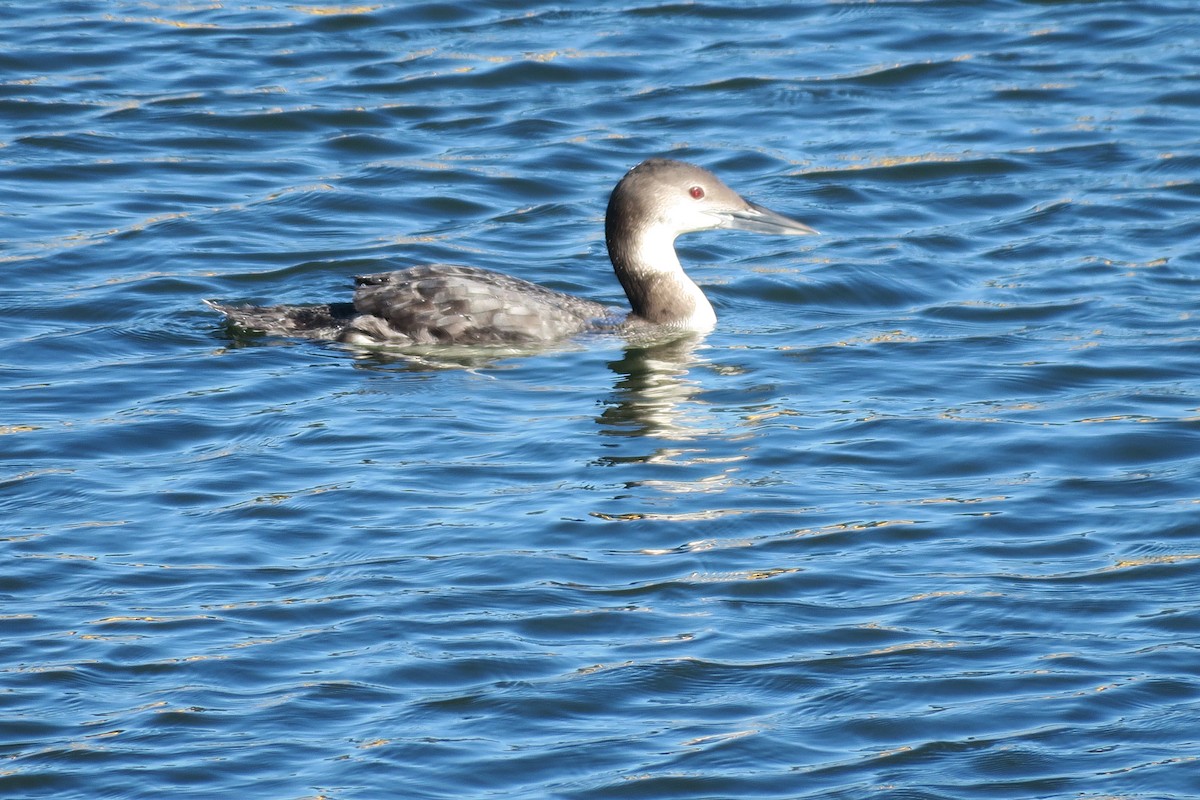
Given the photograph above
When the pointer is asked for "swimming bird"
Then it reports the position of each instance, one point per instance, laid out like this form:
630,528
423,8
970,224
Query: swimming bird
655,202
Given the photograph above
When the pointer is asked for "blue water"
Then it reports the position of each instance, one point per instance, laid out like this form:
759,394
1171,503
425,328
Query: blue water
919,519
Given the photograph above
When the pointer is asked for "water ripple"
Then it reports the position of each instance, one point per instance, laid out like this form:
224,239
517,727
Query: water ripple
918,514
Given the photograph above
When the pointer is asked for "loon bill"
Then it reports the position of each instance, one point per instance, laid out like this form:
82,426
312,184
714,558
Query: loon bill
654,203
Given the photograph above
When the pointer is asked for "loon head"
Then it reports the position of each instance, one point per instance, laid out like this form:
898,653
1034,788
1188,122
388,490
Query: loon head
655,202
662,198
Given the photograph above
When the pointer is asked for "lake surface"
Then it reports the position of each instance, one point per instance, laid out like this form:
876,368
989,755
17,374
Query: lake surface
919,519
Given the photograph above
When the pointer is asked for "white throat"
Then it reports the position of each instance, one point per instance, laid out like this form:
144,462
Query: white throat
654,256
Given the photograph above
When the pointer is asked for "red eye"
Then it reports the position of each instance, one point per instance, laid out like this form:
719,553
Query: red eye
696,192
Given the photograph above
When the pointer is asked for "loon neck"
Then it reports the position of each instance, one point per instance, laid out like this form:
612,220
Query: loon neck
658,289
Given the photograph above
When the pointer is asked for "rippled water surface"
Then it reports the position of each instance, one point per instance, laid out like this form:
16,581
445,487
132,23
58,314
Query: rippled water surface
919,519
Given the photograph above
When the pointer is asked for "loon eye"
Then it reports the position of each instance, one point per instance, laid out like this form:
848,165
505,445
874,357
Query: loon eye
696,192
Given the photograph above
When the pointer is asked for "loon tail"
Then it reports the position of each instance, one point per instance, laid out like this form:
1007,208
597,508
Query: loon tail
324,321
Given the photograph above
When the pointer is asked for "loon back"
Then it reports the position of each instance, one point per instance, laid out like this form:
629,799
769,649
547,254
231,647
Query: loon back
443,303
432,304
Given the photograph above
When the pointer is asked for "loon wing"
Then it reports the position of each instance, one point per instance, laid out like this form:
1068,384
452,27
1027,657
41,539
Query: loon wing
442,303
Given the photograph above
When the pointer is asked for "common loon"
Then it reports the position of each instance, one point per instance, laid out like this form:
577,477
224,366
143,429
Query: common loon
444,304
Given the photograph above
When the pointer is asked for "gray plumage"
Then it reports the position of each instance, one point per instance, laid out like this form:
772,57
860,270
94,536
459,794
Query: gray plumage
446,304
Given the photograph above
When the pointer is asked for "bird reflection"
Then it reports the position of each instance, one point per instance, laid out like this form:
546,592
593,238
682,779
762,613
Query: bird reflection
654,396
